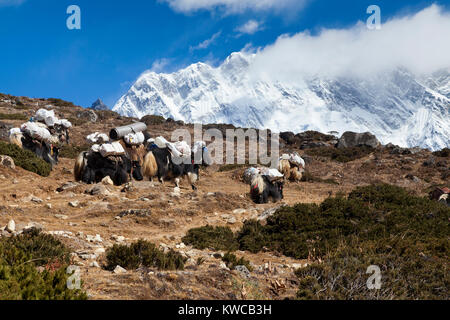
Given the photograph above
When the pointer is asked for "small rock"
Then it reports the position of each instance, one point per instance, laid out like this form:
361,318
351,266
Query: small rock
98,190
100,251
118,238
36,200
74,204
48,205
232,220
11,226
7,162
243,271
107,181
67,186
61,216
239,211
119,270
94,264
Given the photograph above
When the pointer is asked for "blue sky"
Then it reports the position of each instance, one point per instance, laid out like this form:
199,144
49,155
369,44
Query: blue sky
119,40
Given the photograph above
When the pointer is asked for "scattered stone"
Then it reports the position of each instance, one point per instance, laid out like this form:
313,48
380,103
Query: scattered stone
100,251
269,212
107,181
94,264
67,186
180,246
7,162
11,226
74,204
243,271
98,190
61,216
413,178
240,211
136,212
97,238
88,115
48,205
119,270
36,200
118,238
232,220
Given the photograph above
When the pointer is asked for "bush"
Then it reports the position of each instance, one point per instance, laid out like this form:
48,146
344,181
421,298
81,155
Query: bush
71,151
342,154
143,253
232,261
19,277
13,116
309,177
153,120
444,153
218,238
25,159
60,102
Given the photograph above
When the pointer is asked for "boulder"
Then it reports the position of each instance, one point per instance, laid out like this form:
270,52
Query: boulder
7,162
89,115
11,226
353,139
119,270
107,181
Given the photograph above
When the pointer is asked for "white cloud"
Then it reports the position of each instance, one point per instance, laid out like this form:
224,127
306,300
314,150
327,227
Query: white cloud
160,65
205,44
234,6
6,3
418,42
251,27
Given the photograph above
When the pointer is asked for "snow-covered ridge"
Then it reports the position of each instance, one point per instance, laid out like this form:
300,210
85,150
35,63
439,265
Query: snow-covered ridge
397,107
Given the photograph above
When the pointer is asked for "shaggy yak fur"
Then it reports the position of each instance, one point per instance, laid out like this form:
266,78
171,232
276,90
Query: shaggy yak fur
91,167
48,153
290,171
261,189
158,162
136,154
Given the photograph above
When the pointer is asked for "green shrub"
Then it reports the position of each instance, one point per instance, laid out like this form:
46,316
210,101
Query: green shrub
13,116
143,253
153,120
341,154
218,238
25,159
71,151
19,277
232,261
444,153
60,103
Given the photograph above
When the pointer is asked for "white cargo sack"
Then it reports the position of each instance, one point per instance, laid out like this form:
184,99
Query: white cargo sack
42,114
294,158
161,142
249,174
95,148
198,146
97,138
14,131
134,139
65,123
272,174
183,148
111,149
35,131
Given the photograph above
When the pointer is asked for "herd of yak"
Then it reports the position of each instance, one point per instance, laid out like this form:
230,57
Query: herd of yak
149,160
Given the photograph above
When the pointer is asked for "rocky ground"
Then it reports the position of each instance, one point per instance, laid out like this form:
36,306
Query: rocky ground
91,218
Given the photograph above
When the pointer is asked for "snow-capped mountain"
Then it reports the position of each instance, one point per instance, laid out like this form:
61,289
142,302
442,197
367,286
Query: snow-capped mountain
397,107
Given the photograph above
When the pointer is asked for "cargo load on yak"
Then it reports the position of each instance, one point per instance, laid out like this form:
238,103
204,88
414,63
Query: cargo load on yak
97,138
178,149
271,174
134,139
294,159
111,149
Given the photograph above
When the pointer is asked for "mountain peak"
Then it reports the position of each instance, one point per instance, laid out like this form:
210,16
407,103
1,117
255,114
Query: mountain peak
99,105
397,106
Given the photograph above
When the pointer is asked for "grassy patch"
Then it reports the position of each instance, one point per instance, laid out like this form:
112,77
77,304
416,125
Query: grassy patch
143,253
218,238
25,159
19,277
153,120
13,116
341,155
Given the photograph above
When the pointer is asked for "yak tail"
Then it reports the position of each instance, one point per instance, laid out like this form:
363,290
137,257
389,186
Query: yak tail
258,184
296,174
150,167
285,168
80,163
16,138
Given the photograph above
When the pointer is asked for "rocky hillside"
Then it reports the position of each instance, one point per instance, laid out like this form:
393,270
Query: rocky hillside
91,219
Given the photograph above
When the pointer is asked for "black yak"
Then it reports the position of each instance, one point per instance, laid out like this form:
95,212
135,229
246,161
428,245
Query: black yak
261,189
92,167
46,151
159,162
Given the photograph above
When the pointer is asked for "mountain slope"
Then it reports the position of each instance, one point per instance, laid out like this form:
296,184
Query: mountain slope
397,106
